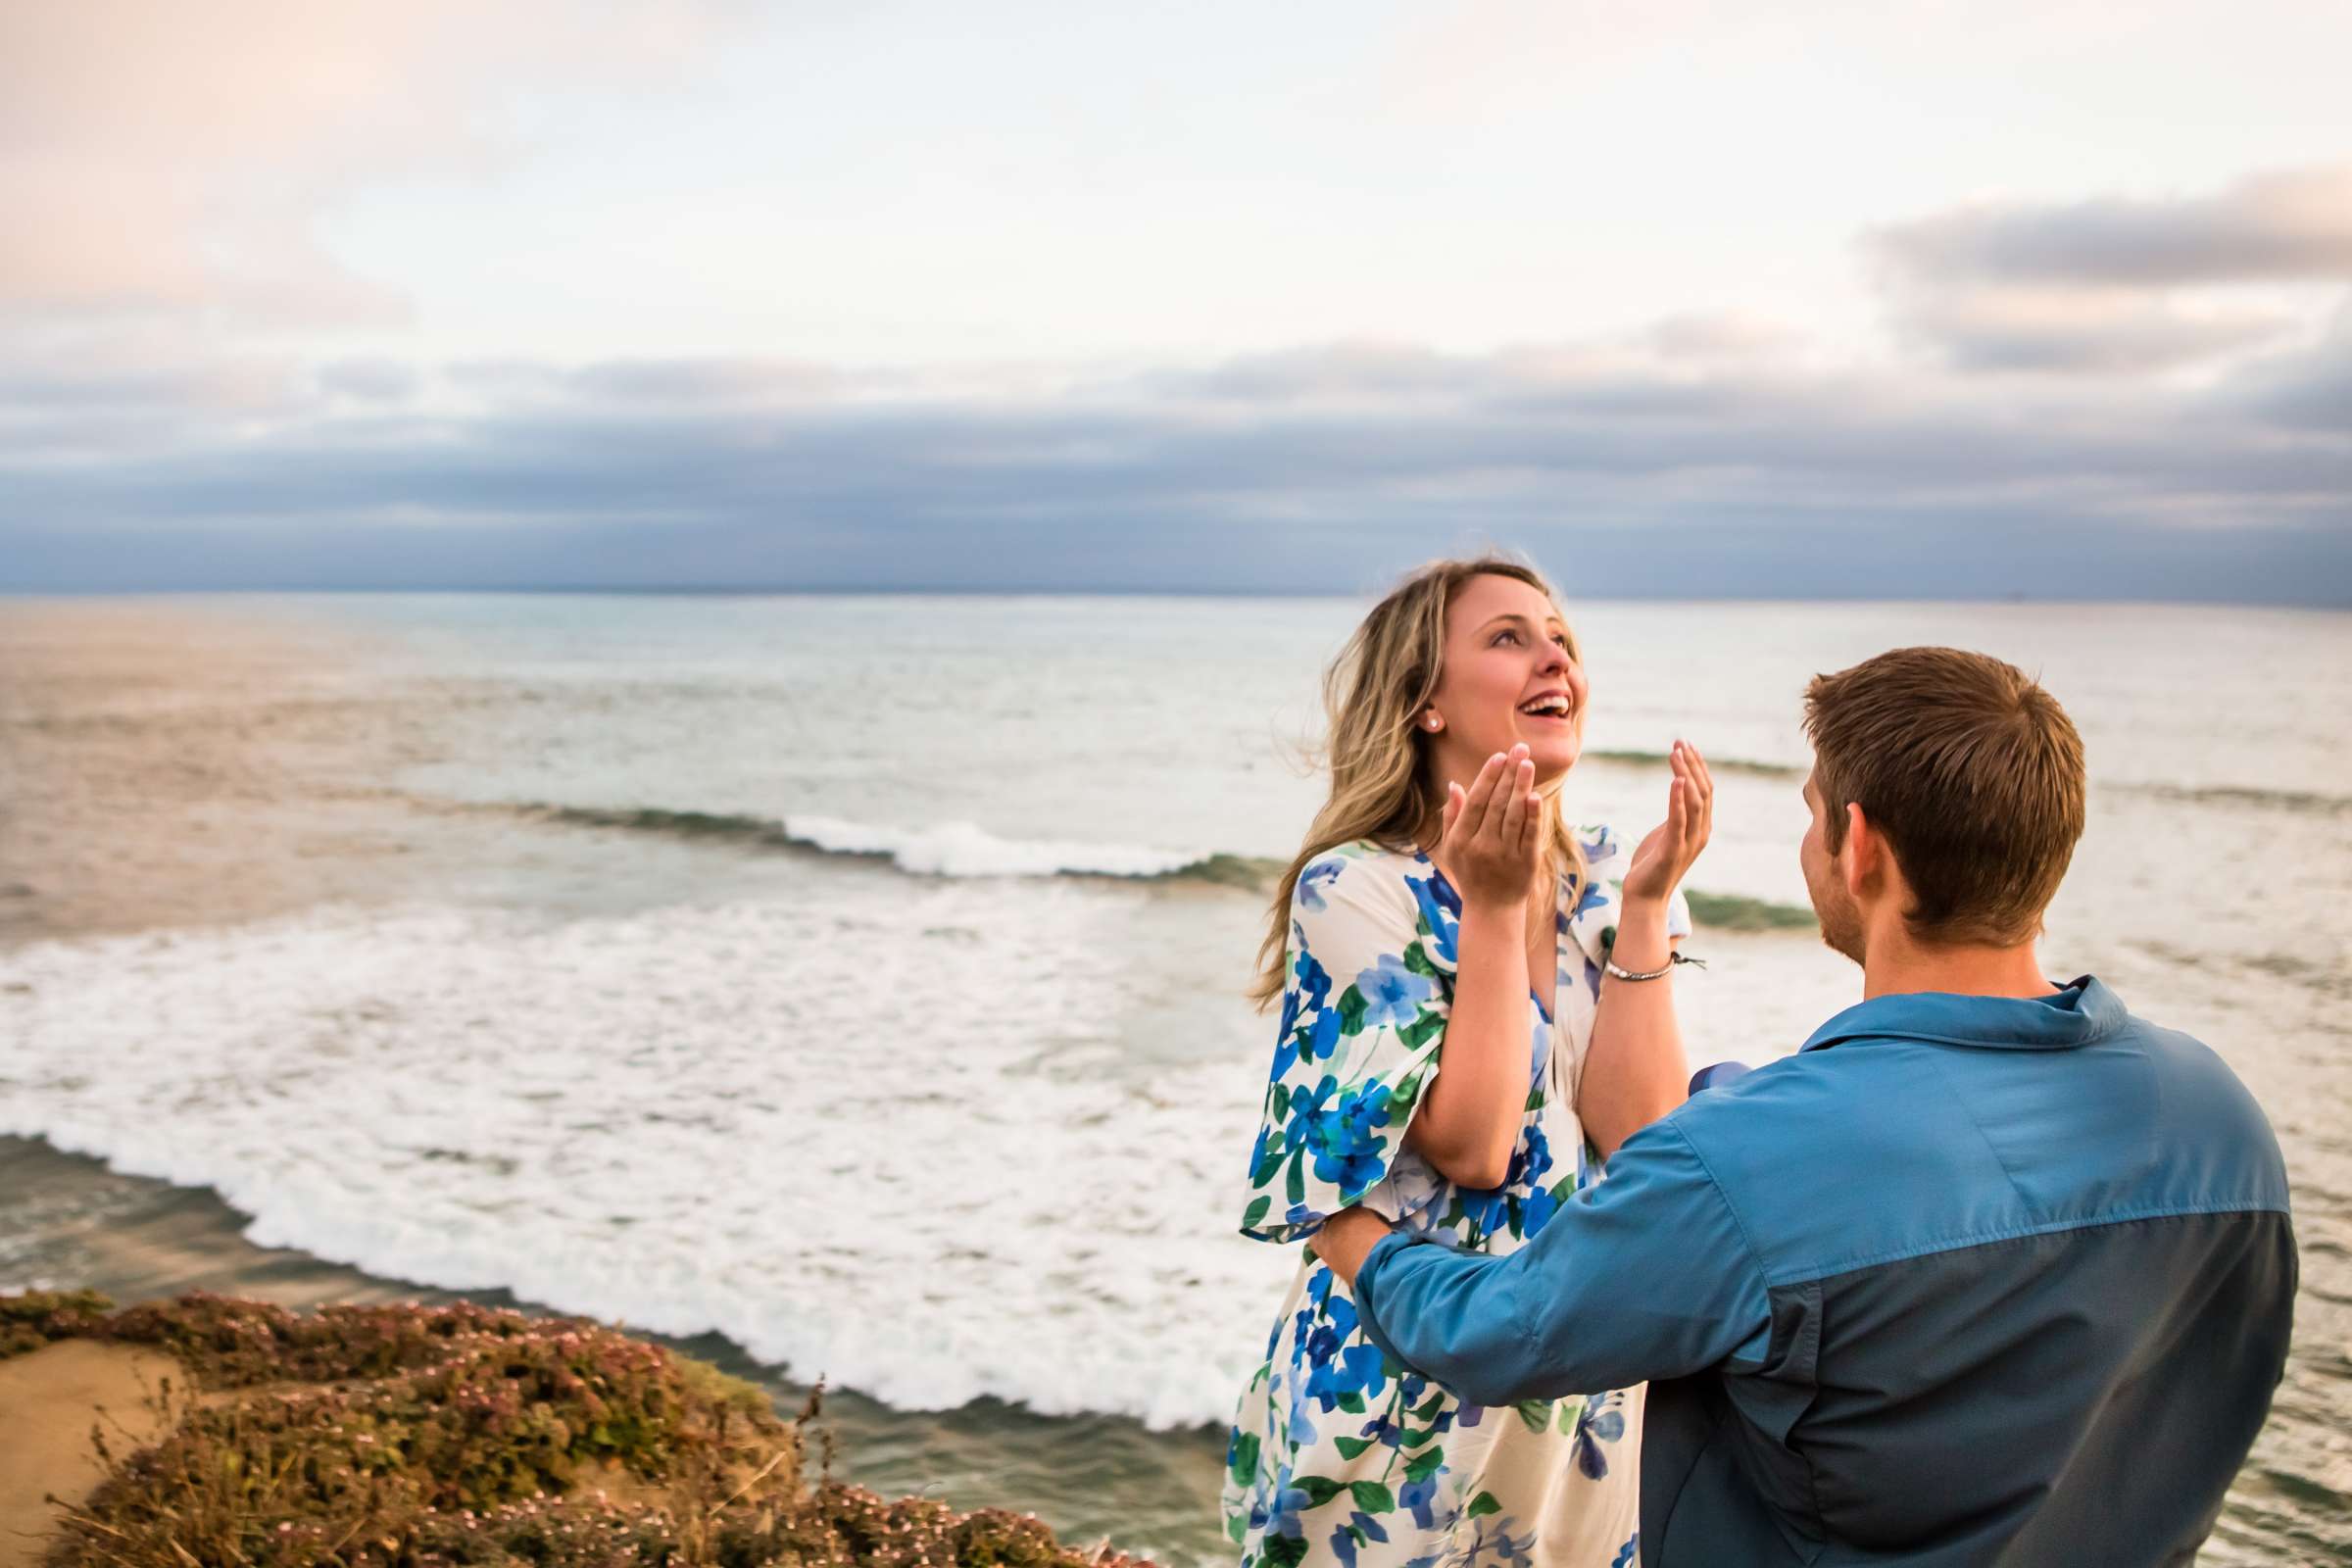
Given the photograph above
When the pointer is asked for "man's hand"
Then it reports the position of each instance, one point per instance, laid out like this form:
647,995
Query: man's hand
1345,1239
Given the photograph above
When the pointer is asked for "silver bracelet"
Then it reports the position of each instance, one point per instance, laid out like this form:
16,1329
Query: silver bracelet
1614,968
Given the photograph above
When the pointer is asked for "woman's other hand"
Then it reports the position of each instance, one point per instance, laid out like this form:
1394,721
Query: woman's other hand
1665,857
1347,1239
1492,839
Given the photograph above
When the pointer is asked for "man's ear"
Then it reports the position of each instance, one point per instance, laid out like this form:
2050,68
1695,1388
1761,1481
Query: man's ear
1862,853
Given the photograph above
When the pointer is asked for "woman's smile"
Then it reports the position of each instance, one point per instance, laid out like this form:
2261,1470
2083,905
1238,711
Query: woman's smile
1554,706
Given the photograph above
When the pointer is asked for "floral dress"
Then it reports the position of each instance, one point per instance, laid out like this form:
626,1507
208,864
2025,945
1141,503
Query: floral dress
1337,1452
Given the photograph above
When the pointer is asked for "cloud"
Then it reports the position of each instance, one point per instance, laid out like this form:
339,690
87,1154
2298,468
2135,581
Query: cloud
2119,287
163,159
2272,227
2092,332
374,379
2309,392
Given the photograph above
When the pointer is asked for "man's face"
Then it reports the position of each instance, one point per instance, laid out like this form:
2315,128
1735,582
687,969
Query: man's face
1839,916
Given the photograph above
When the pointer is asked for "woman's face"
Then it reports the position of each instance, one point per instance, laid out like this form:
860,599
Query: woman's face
1507,679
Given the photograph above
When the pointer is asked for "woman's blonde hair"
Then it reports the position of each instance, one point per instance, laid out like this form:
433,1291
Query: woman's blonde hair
1381,787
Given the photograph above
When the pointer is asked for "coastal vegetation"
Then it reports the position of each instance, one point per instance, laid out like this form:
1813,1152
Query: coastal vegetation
1731,911
433,1436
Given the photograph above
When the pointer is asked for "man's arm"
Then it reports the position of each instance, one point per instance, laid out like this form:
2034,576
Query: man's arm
1644,1275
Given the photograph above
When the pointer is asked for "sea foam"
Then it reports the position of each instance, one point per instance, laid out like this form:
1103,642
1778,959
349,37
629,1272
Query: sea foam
893,1142
948,848
964,849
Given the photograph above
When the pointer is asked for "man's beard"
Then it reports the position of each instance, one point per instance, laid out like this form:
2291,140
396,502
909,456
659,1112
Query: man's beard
1840,921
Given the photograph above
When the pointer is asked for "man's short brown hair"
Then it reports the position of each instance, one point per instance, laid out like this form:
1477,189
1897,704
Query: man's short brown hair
1972,771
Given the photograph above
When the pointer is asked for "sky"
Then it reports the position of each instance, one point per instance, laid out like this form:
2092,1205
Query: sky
1680,297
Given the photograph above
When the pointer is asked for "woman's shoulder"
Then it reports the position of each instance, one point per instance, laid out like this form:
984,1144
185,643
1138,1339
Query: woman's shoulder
1362,872
1363,857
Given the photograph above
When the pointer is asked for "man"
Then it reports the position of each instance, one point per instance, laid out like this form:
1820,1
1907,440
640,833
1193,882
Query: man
1991,1271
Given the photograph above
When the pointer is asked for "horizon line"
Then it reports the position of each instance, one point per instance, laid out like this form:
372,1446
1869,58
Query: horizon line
941,591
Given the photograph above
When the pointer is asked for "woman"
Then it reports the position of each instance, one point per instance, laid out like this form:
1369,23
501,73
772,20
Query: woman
1443,915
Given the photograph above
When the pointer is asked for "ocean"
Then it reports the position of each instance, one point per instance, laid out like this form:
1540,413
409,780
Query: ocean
850,986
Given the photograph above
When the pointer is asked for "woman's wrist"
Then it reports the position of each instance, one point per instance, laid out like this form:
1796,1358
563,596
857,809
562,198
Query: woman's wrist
1643,908
1477,909
1641,940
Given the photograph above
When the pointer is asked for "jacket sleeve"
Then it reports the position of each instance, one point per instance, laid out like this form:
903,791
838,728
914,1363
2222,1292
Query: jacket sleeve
1645,1275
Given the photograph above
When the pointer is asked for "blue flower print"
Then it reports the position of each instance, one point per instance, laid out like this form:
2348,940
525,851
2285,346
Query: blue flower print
1313,983
1441,912
1360,1526
1307,997
1279,1514
1423,1497
1302,1429
1306,1110
1494,1208
1324,1340
1286,1040
1538,1208
1355,1371
1312,879
1488,1210
1531,1159
1382,1430
1323,1038
1257,1150
1392,994
1340,1126
1601,1422
1491,1543
1528,1168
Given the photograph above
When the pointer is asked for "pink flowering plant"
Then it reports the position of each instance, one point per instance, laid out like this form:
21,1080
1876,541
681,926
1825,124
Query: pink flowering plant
430,1436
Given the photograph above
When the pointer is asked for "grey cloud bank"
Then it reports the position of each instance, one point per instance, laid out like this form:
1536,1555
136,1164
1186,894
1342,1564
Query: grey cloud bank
1317,470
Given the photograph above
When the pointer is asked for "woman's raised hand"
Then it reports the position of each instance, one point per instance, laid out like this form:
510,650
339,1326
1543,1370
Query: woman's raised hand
1492,839
1664,857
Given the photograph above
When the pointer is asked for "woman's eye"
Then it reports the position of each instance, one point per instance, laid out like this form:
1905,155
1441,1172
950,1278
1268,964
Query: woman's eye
1501,635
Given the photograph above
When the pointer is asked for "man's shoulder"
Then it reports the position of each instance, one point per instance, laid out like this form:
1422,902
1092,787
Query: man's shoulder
1793,1145
1842,1157
2222,1150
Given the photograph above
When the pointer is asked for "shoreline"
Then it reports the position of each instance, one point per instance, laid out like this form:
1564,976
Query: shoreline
138,1237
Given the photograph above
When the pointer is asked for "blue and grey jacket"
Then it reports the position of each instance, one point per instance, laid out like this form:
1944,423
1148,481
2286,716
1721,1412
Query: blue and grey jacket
1967,1280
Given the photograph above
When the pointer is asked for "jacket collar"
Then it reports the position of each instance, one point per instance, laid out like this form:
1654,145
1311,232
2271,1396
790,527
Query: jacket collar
2084,1012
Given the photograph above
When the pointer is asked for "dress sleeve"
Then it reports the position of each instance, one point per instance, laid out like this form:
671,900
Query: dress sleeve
1372,959
1608,856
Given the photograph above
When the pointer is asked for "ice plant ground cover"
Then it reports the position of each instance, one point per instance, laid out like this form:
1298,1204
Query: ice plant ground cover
417,1437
